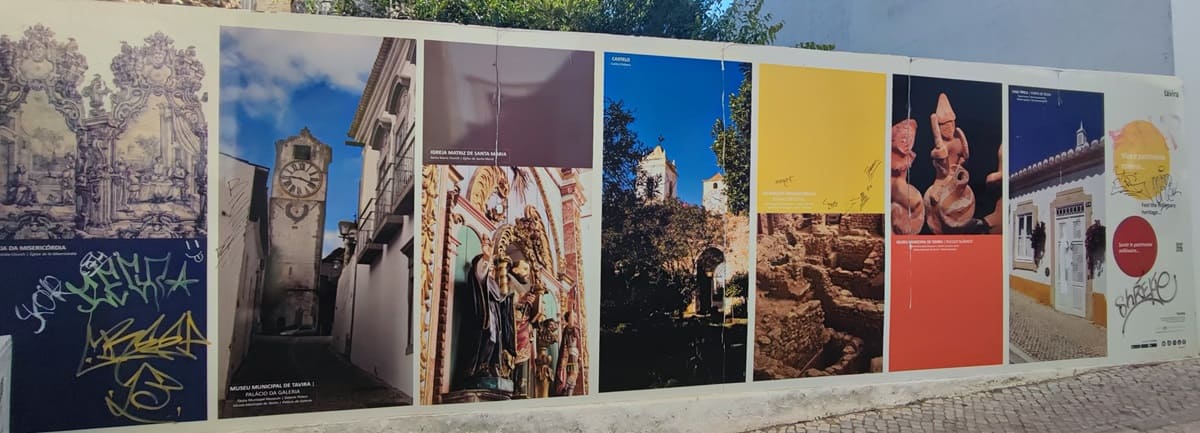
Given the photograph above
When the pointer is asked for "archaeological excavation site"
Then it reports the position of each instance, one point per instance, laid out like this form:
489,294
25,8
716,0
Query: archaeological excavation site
819,306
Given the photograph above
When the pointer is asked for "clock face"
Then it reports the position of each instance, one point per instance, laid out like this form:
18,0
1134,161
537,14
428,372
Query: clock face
301,178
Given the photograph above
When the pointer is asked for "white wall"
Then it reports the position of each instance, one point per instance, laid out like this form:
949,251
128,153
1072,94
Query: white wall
249,296
234,204
343,309
1185,14
381,313
1110,35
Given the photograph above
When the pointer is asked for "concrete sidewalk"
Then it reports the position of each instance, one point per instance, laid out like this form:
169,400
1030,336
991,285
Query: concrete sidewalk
1157,398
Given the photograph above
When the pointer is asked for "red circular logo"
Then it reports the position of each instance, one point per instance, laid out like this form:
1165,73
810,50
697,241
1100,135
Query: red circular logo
1135,247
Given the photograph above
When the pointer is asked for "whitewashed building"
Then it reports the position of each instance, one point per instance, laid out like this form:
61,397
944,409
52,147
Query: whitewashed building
715,200
655,165
1065,193
240,256
373,315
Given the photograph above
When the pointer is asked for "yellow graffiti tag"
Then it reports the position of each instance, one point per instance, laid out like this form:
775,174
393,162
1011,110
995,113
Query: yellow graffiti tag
118,344
148,389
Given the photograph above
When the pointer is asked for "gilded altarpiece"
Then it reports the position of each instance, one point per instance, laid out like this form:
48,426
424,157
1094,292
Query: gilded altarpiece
482,227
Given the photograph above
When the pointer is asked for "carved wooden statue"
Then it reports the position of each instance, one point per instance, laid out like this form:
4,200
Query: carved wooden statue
486,340
543,374
568,357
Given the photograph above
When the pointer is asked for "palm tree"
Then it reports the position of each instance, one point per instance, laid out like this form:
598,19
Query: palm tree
521,180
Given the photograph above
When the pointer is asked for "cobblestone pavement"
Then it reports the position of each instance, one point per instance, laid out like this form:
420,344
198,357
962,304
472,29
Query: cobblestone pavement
339,384
1158,398
1040,333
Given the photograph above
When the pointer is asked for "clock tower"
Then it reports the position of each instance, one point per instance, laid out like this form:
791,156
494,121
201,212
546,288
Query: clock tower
296,229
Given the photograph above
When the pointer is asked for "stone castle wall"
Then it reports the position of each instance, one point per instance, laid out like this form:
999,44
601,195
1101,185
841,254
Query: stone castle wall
871,224
820,282
791,337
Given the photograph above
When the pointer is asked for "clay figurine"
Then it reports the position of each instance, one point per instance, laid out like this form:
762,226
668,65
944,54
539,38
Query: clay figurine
949,201
908,212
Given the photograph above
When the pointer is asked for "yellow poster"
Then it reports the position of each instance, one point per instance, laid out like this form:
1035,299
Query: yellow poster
821,140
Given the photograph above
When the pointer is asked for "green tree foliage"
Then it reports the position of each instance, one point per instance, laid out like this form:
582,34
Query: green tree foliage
622,152
815,46
742,22
731,145
738,285
1038,239
649,247
1095,245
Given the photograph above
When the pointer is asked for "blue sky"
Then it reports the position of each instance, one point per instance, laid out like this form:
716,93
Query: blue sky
1039,130
273,83
679,99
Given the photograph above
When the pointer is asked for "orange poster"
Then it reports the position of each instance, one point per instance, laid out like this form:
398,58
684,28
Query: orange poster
947,302
946,305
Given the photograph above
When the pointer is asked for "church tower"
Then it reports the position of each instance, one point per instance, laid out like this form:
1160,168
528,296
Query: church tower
296,229
1081,140
714,199
655,165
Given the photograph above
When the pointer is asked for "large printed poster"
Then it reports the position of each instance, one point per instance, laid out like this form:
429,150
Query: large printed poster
675,229
508,195
315,261
1151,306
1057,300
819,271
103,154
116,330
947,295
422,214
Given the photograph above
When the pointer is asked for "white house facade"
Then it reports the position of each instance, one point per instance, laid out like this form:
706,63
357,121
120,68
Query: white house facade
373,315
1064,194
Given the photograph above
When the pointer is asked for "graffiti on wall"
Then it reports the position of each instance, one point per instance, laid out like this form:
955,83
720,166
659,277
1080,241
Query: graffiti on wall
121,329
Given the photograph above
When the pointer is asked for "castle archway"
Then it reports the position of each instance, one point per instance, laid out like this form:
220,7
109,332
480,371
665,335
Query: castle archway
711,277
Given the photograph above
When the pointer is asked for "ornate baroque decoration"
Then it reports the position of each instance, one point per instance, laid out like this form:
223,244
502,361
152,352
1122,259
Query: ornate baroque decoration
429,193
514,231
577,289
158,69
156,225
99,180
505,236
449,253
429,227
488,191
38,62
535,244
550,216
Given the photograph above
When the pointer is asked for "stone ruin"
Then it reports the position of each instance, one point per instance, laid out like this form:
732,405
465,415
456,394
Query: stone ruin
820,295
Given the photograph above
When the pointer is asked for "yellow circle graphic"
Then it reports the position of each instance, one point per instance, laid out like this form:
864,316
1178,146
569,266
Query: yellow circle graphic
1142,162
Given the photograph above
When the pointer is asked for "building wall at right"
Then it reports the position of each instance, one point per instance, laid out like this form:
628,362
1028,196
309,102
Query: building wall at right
1107,35
1185,14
